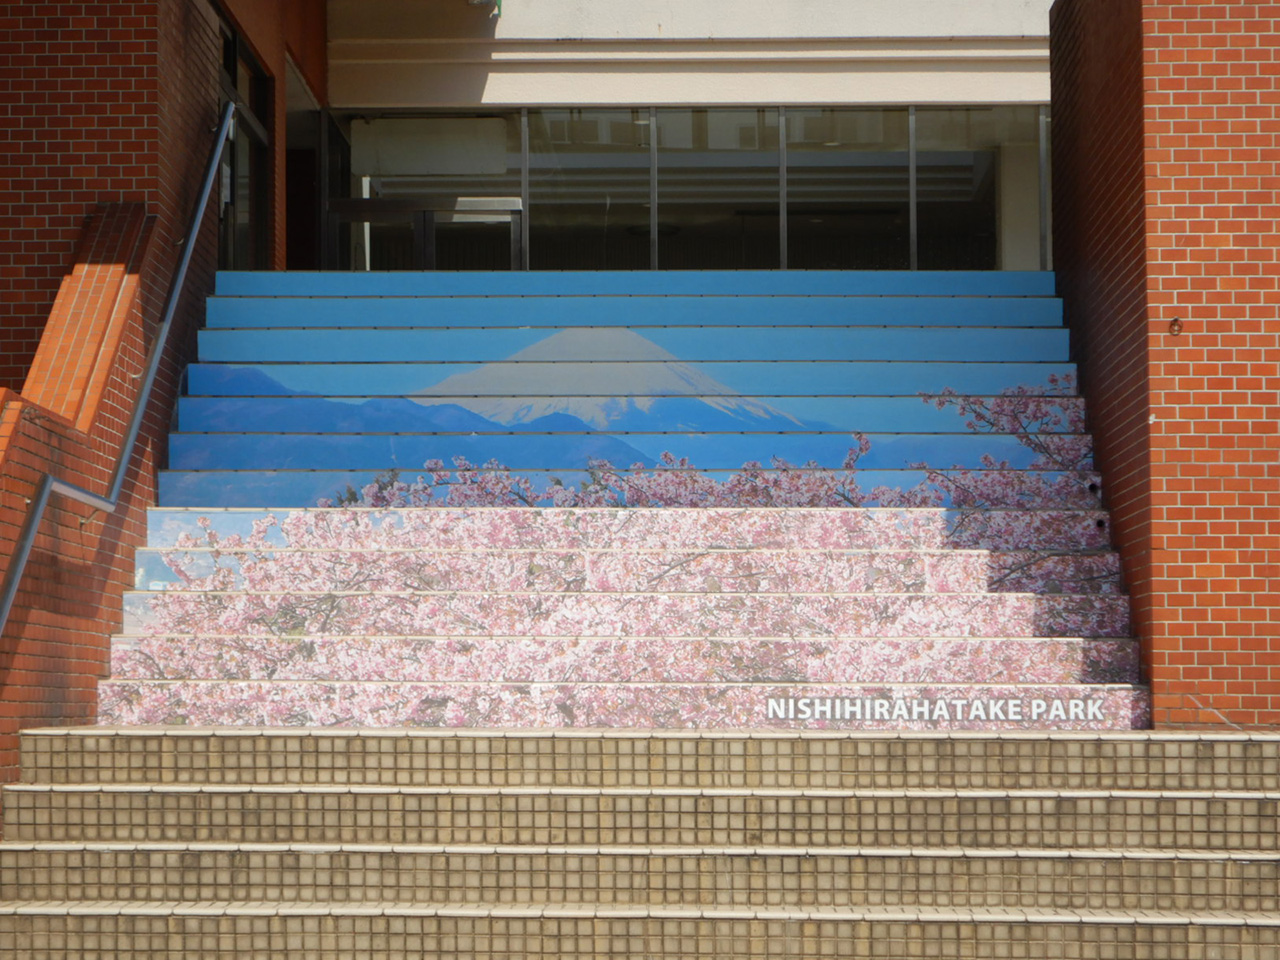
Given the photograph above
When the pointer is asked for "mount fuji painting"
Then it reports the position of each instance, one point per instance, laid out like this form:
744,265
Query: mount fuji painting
575,396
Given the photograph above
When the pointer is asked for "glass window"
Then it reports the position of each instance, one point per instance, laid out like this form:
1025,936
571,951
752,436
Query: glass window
978,188
718,189
462,171
589,189
848,189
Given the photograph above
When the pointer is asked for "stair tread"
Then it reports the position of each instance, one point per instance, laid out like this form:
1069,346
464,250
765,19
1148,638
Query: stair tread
648,850
976,793
922,914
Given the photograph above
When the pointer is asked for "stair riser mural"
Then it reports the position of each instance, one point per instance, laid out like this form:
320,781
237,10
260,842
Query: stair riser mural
624,660
719,705
633,311
632,529
692,501
543,571
676,615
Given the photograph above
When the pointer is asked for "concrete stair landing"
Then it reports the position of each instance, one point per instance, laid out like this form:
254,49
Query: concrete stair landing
253,843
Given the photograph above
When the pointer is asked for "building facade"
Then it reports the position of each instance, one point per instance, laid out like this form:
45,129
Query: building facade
1123,145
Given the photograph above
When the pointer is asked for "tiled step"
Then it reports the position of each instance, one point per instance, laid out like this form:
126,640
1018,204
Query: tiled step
703,660
715,706
872,283
631,571
363,611
391,931
817,760
633,311
639,529
541,378
914,414
586,817
1076,880
270,449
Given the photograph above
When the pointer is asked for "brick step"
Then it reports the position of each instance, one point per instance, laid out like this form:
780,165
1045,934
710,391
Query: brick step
473,614
1003,660
817,759
1139,820
392,931
631,571
744,877
721,706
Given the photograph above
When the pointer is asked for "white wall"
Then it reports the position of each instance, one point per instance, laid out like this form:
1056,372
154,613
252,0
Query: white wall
406,54
690,19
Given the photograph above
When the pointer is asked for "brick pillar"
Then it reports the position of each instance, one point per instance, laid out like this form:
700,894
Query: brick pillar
1165,122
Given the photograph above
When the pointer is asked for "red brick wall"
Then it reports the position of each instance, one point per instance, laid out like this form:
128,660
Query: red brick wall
1206,571
77,127
1100,254
109,102
1211,138
54,646
106,109
110,279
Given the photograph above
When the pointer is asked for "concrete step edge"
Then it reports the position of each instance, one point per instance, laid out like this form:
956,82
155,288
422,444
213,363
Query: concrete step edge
869,793
649,850
651,733
912,915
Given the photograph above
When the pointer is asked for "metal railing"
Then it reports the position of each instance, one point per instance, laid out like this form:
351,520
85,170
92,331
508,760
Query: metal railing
49,484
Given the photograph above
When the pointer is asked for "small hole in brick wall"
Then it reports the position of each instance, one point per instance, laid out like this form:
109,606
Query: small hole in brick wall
1102,524
1094,488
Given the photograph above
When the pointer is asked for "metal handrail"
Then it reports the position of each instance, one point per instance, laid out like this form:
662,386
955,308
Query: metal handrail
49,484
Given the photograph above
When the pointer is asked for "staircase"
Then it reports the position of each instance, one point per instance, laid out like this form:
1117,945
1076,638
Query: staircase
754,615
242,842
898,524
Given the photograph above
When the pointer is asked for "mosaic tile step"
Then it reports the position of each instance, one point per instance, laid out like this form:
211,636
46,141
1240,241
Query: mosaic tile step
403,931
666,705
638,659
634,528
1160,760
612,876
372,612
400,931
796,823
655,570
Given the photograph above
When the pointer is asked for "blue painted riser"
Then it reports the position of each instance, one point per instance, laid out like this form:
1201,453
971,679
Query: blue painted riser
310,382
686,344
882,283
780,378
322,415
287,489
723,451
632,311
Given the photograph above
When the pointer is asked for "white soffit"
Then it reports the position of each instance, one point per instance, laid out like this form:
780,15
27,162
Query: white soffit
406,54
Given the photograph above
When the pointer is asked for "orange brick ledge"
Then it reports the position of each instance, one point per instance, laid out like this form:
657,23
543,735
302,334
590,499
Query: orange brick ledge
70,420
